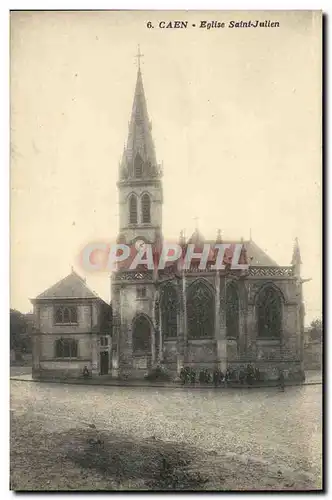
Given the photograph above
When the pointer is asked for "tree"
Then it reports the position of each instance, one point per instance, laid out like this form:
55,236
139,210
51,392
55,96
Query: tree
19,335
316,330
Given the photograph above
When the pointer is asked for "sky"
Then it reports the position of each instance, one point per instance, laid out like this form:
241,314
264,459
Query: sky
236,121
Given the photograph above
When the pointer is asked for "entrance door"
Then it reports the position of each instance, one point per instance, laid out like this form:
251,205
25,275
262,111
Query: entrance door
104,362
141,335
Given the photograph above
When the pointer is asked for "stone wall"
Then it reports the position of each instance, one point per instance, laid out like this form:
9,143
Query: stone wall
313,356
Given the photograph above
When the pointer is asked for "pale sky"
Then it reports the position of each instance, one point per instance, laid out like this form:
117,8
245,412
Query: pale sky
236,117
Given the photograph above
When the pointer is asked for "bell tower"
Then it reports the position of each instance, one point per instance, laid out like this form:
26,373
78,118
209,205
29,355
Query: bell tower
139,183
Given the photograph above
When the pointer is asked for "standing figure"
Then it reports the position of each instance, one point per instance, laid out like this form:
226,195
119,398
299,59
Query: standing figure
242,376
281,380
85,372
182,376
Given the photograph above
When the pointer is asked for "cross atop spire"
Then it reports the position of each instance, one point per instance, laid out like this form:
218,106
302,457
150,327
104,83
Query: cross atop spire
138,56
196,219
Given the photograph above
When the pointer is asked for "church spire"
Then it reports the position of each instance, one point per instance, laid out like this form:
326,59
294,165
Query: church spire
139,157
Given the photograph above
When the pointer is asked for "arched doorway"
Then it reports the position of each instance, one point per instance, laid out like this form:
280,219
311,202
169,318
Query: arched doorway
142,342
141,336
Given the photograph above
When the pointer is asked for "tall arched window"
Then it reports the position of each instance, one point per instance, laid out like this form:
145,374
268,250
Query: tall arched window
269,313
138,166
133,209
169,308
146,208
232,310
141,334
200,310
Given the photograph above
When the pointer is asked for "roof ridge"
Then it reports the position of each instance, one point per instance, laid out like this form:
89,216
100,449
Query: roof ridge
78,286
50,287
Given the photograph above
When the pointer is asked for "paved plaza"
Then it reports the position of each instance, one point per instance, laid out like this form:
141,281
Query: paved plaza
239,439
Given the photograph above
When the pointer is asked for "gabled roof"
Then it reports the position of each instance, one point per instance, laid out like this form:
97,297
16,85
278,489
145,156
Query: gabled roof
256,256
70,287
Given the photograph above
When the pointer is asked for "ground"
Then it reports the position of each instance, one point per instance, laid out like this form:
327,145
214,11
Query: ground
66,437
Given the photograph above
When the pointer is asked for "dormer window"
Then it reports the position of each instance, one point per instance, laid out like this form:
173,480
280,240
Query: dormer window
138,166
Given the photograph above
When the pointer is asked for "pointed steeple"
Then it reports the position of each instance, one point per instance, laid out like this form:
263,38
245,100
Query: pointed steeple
296,257
182,238
219,236
197,238
139,157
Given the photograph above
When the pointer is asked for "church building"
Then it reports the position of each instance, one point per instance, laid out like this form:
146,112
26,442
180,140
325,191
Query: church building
201,318
198,318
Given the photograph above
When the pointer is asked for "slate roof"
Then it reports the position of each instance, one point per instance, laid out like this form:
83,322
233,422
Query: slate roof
72,286
256,256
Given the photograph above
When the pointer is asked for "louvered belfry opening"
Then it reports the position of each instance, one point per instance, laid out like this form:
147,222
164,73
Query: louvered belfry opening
133,209
146,209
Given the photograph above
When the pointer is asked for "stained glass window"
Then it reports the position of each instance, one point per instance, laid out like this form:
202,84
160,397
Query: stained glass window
169,308
269,313
200,310
232,310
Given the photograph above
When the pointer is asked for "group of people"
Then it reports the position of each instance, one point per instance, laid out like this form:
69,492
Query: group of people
248,375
